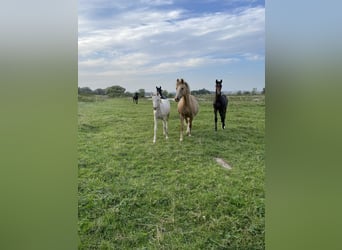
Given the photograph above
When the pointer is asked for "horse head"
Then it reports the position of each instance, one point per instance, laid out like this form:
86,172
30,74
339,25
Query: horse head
182,89
218,87
156,101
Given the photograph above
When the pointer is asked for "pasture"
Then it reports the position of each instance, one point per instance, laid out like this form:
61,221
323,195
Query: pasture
134,194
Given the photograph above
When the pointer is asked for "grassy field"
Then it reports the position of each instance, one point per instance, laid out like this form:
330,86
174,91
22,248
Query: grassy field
134,194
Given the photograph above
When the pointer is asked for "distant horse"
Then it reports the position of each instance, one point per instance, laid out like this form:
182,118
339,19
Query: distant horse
160,92
187,106
220,104
161,110
135,98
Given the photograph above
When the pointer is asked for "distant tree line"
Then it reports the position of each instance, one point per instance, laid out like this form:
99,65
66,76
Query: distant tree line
253,92
201,92
112,91
118,91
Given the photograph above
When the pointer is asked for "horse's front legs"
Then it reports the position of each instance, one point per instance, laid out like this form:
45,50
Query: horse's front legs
181,128
189,125
215,112
155,130
223,118
165,129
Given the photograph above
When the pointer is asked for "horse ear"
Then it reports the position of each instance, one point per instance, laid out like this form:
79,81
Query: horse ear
177,80
217,81
182,80
221,81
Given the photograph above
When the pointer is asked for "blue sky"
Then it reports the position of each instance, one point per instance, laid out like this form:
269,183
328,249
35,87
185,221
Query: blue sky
144,43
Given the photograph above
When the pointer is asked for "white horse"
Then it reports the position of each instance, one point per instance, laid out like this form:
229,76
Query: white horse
161,110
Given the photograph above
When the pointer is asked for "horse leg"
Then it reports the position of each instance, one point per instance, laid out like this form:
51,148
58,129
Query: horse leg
223,117
181,127
163,126
155,129
189,125
165,129
215,119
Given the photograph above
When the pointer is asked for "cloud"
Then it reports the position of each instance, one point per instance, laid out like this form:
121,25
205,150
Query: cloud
156,2
146,39
253,57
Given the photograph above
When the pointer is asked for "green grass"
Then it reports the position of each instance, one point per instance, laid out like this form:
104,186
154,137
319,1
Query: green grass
134,194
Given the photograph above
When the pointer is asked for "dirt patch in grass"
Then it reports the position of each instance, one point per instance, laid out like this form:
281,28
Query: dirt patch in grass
222,163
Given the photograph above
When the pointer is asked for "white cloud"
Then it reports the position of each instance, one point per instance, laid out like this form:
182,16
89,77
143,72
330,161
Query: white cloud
253,57
156,2
146,40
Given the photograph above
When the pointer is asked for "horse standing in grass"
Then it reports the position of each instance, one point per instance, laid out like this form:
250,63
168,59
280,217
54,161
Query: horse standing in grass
161,110
220,104
187,106
135,98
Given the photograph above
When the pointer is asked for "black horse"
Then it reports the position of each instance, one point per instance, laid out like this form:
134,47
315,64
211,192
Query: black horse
160,92
220,104
135,98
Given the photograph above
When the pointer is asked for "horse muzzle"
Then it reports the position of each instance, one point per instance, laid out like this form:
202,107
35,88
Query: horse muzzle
176,99
154,108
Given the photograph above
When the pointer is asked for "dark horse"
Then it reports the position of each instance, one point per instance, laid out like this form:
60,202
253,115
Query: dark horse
160,92
135,98
220,104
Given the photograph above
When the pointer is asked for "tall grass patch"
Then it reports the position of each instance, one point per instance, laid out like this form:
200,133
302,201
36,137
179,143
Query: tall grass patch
134,194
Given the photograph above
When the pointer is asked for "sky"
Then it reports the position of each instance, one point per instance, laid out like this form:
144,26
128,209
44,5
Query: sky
147,43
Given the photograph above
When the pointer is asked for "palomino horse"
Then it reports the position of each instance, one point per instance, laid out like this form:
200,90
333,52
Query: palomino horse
187,106
135,98
161,110
220,104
